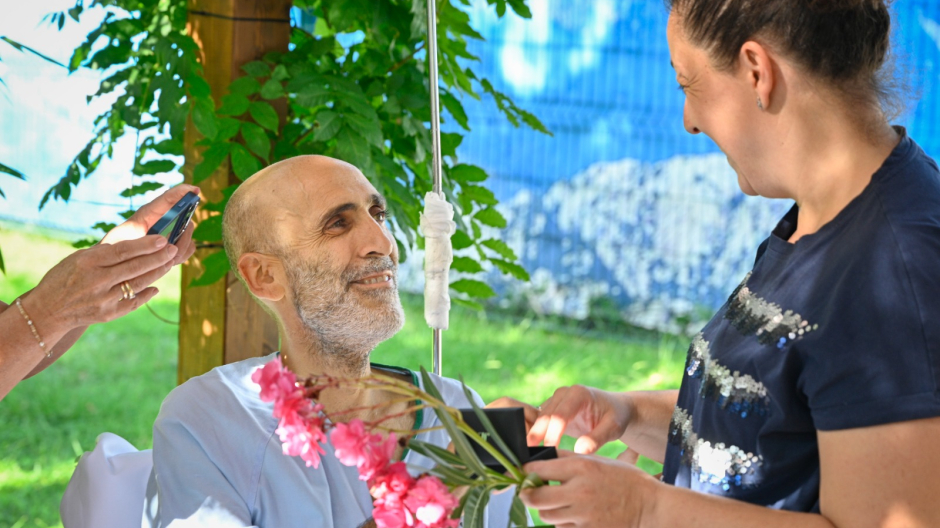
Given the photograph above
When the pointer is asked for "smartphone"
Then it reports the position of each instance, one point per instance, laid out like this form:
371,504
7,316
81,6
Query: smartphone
174,222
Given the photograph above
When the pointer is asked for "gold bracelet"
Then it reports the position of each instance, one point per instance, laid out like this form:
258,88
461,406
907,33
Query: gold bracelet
32,327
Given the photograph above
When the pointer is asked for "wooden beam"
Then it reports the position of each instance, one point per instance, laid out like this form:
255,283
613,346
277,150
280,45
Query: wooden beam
222,323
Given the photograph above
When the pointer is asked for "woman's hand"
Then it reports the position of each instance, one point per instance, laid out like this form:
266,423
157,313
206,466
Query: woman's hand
591,415
594,492
86,287
137,225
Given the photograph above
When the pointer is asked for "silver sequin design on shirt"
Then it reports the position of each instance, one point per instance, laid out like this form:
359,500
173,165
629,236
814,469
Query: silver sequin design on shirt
736,393
717,464
751,314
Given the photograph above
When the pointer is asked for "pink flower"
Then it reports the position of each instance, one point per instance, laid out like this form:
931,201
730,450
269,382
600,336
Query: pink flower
351,442
277,382
390,512
300,426
354,446
395,480
302,437
431,502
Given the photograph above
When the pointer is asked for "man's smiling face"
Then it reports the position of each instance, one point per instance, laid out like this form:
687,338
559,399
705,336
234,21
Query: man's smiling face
339,256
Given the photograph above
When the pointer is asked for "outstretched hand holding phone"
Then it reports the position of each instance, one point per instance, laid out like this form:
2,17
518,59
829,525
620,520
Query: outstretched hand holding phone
92,285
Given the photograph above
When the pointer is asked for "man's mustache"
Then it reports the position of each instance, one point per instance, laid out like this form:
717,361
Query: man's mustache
377,265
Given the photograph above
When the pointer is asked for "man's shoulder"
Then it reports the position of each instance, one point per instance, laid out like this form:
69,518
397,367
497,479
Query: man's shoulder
225,391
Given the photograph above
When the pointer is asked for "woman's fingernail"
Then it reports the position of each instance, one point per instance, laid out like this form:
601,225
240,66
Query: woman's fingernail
172,251
161,241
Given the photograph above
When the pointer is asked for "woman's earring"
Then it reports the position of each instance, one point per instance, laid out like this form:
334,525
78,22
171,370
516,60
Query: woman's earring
760,104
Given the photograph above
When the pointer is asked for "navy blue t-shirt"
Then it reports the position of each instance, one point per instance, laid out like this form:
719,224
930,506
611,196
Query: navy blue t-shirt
837,331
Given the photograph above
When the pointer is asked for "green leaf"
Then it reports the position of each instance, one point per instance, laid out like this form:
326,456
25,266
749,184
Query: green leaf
480,195
473,288
461,444
228,128
243,163
257,69
141,189
439,454
460,240
209,230
84,243
233,105
449,143
215,266
520,8
169,147
328,124
311,95
244,86
352,147
474,513
280,73
11,171
466,265
257,140
211,159
531,481
198,86
204,118
490,217
517,513
272,89
265,115
464,173
370,129
510,268
485,420
154,167
500,247
3,268
456,109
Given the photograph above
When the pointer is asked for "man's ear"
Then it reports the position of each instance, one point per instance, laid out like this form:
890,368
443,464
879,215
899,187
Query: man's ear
263,275
759,67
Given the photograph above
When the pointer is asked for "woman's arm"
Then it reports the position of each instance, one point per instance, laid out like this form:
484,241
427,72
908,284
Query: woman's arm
871,477
20,353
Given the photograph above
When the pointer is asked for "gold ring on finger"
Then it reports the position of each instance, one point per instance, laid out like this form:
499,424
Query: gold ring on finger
128,291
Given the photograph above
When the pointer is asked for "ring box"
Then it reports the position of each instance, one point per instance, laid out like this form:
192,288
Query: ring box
509,423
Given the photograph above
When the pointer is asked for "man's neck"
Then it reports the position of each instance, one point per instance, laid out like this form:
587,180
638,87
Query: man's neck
307,357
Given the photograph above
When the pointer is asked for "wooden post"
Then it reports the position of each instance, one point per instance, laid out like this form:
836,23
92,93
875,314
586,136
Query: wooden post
221,323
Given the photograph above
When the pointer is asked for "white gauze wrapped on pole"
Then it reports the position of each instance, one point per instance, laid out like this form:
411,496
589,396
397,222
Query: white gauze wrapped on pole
437,226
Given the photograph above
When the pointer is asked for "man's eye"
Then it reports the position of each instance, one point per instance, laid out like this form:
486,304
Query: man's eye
380,215
336,224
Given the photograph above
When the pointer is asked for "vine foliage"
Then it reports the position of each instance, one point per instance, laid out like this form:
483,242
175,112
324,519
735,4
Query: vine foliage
355,87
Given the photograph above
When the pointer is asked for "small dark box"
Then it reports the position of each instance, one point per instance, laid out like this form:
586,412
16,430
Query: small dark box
510,425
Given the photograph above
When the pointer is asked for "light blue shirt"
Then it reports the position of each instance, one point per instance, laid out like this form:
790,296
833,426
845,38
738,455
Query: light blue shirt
218,462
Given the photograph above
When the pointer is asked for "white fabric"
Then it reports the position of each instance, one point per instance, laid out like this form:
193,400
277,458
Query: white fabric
107,488
218,462
437,226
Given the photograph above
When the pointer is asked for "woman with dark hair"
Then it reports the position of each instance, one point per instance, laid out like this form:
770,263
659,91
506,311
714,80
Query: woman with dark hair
811,398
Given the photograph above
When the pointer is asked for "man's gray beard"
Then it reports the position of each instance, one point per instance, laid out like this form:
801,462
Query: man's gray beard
336,322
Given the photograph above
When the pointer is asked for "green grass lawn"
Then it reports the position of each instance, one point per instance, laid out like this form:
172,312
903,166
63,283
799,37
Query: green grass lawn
116,376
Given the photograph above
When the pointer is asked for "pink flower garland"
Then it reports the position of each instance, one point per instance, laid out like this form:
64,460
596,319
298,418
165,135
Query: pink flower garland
400,500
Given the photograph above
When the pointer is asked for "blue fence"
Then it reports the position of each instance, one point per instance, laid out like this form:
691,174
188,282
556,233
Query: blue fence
622,204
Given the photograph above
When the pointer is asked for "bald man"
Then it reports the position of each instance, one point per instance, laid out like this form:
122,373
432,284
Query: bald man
308,238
